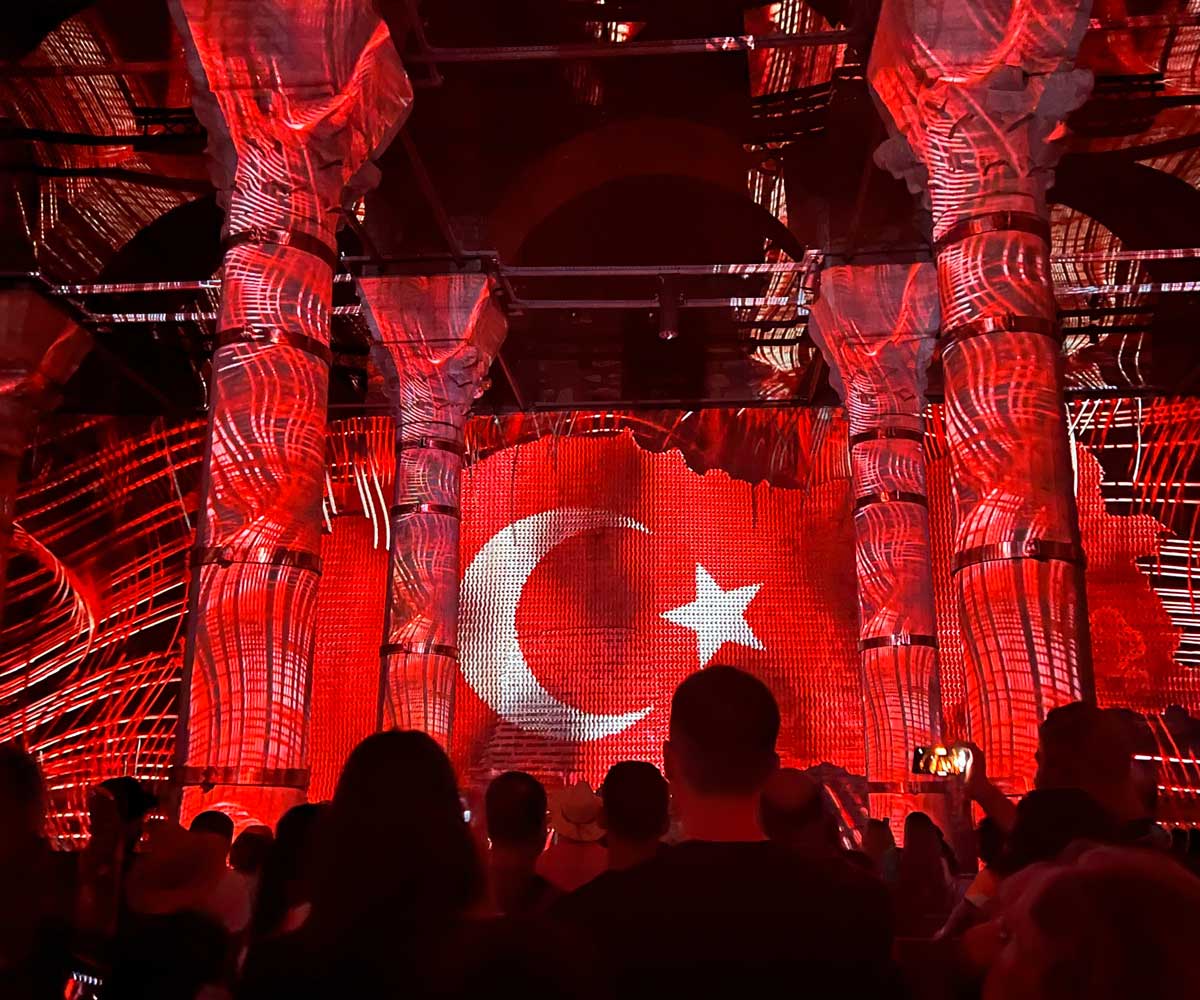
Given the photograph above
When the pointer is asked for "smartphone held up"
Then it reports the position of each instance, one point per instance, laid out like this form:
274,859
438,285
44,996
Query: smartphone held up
942,761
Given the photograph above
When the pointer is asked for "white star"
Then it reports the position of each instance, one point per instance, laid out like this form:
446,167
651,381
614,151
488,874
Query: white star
716,616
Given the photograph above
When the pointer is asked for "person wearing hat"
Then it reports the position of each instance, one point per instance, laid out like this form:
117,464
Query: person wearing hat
184,912
182,870
576,856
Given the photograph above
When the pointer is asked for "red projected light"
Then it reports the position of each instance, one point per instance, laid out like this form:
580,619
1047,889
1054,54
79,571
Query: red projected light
599,570
598,576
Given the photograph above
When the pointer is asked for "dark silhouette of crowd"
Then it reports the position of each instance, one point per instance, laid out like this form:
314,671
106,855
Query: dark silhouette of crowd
727,875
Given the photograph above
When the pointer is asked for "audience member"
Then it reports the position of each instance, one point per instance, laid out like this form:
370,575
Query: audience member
134,802
214,822
576,855
184,871
186,910
923,894
727,912
879,845
397,872
36,885
515,808
247,853
636,801
1112,924
1081,748
990,844
176,956
375,893
284,896
795,812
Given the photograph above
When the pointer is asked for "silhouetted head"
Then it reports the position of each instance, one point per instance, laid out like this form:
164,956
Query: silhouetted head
636,801
794,810
395,847
134,801
125,802
878,839
922,839
1114,923
515,807
286,878
724,724
1048,821
989,840
214,822
1082,746
22,797
249,851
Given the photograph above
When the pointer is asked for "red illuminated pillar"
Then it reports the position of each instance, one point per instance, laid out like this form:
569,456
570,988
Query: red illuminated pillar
438,337
297,96
877,326
40,348
975,93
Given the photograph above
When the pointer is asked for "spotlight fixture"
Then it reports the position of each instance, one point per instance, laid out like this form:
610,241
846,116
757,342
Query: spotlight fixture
668,308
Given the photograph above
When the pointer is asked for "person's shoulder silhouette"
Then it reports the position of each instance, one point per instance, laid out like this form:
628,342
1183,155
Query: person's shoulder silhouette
727,911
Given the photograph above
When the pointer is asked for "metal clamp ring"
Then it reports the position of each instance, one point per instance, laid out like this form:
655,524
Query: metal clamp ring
228,555
891,496
304,242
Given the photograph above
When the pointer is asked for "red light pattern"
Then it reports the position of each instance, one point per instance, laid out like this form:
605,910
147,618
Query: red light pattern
877,327
296,96
344,705
975,97
436,338
91,660
586,629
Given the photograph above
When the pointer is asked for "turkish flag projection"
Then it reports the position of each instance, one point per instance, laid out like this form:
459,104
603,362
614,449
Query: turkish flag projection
597,576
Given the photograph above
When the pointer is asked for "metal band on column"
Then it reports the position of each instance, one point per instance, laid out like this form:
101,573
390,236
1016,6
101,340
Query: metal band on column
993,222
890,496
432,444
419,649
404,509
903,639
1040,549
1005,323
274,335
255,777
887,433
303,242
228,555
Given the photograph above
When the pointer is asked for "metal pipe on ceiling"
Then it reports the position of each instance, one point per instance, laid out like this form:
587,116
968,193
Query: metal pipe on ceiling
43,70
812,258
654,271
652,47
747,302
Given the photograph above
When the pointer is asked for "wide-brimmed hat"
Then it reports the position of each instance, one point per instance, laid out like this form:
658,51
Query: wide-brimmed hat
179,870
575,812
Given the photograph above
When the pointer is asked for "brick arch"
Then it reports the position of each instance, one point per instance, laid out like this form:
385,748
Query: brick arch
642,147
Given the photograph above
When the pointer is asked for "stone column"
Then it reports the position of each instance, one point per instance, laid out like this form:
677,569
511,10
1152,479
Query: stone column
436,338
975,94
877,327
297,97
40,348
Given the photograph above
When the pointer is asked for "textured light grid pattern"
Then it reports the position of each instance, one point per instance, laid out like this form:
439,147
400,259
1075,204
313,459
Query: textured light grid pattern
344,706
588,617
90,659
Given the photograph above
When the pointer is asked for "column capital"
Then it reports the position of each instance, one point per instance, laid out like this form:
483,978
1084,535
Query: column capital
974,95
877,326
438,334
297,97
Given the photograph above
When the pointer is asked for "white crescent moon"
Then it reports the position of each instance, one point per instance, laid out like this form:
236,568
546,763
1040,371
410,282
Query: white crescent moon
492,661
